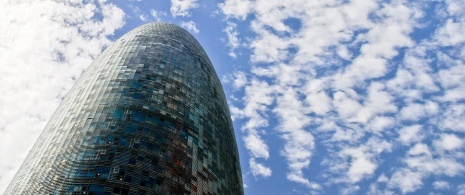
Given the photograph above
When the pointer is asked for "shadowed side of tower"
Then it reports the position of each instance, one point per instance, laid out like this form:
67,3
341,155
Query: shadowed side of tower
148,116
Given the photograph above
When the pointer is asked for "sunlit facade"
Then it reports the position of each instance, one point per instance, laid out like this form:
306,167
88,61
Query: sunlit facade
148,116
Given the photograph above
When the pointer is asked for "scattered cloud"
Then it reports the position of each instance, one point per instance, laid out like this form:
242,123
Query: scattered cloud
368,94
143,17
139,13
258,169
240,79
449,142
256,145
157,15
357,79
441,185
232,38
190,26
406,180
409,134
422,162
182,7
62,39
461,189
236,8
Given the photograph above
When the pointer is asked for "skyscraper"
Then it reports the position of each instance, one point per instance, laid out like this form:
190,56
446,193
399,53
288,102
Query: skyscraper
148,116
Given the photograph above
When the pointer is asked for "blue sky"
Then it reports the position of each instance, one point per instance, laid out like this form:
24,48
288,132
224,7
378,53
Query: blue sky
327,97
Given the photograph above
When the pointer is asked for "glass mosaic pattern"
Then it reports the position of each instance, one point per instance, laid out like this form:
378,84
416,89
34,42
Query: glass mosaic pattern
148,116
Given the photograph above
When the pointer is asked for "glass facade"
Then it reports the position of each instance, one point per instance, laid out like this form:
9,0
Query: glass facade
148,116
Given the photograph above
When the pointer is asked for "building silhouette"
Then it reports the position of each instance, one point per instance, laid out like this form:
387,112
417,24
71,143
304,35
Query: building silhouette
148,116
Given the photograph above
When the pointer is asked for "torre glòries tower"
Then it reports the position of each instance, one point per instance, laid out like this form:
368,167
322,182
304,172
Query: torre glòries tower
148,116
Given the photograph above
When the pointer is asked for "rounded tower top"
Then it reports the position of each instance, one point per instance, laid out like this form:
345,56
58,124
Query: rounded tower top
168,30
147,116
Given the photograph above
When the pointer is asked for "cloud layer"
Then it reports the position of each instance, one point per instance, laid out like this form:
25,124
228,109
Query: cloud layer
366,81
44,47
365,96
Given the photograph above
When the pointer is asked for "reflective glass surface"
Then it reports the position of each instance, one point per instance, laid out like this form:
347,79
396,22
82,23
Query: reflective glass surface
148,116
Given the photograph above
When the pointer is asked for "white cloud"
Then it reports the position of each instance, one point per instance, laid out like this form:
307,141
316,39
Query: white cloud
346,105
236,8
441,185
362,159
351,76
449,142
256,146
381,123
350,190
454,7
232,38
437,166
299,142
452,118
259,169
143,18
239,79
258,96
139,13
157,15
461,189
182,7
378,102
410,134
454,81
382,179
374,190
44,47
190,26
420,163
406,180
451,77
298,178
419,149
415,112
360,167
318,100
449,34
